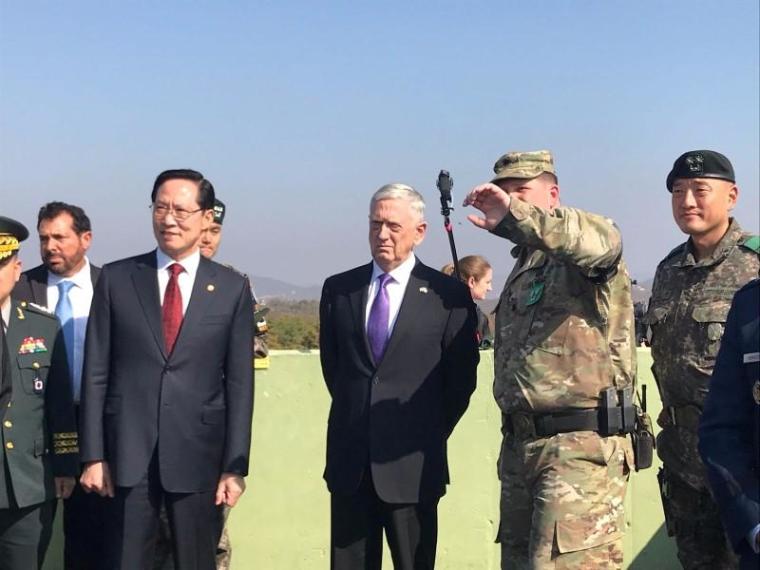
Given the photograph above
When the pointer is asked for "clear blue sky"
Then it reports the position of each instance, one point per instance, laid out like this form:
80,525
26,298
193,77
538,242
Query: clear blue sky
298,111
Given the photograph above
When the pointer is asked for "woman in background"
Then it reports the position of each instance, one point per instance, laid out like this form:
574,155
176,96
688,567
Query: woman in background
477,274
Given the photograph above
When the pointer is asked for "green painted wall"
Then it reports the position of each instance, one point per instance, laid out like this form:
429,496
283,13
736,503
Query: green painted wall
282,522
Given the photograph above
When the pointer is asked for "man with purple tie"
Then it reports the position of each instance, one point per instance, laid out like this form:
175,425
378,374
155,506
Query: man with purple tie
399,358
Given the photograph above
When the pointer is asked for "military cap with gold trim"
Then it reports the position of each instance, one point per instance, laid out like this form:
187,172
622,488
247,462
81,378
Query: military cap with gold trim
523,165
12,233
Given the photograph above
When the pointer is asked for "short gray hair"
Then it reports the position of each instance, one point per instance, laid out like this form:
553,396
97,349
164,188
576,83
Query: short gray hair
397,191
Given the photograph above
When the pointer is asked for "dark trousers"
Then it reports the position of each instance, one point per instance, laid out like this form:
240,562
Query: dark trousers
83,529
25,535
133,521
357,524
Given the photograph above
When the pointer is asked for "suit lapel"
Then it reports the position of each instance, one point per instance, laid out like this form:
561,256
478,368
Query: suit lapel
203,293
358,300
94,274
146,284
414,297
38,284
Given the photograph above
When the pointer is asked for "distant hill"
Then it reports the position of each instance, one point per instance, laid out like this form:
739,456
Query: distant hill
269,288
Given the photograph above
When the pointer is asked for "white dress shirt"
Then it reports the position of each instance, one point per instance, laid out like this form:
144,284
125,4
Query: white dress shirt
185,280
80,296
395,287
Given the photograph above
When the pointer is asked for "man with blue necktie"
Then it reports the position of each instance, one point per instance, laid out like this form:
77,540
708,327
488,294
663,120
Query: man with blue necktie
399,356
64,284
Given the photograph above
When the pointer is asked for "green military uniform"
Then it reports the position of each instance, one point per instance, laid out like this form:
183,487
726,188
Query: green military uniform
687,311
564,334
689,305
39,439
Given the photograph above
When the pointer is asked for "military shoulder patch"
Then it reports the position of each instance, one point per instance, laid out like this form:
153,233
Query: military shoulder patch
751,242
40,309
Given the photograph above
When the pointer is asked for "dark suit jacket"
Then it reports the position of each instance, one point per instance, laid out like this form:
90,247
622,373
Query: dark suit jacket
33,284
395,416
194,405
729,433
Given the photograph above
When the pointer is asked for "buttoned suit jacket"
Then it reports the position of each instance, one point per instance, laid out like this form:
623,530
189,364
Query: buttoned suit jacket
394,417
192,407
33,284
39,429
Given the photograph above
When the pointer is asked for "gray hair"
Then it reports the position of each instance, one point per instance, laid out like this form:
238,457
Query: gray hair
398,191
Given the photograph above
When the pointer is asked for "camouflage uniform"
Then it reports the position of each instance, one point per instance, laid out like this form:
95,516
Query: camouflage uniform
565,332
687,312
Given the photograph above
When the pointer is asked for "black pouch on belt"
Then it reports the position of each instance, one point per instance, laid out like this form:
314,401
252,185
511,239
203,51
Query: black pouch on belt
643,435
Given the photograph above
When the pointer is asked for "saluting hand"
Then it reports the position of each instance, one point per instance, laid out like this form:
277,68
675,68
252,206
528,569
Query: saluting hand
96,477
230,487
492,201
64,486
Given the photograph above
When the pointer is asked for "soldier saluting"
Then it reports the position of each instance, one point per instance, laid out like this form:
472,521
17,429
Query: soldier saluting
565,364
691,296
39,438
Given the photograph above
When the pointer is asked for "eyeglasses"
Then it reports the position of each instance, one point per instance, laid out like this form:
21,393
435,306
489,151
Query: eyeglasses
180,214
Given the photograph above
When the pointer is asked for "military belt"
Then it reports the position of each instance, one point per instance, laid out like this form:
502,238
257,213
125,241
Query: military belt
684,416
525,426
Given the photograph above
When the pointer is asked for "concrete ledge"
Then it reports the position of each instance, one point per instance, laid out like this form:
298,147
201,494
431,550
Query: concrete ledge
282,522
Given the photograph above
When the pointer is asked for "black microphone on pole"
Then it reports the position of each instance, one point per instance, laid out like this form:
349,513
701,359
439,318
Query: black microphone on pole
445,184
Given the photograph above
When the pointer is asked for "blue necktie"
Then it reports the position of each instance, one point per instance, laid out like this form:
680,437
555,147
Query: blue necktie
65,314
377,324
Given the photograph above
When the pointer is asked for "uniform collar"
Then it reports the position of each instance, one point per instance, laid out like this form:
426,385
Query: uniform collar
729,240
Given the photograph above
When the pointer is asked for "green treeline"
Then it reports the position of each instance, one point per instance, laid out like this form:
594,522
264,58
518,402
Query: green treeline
293,324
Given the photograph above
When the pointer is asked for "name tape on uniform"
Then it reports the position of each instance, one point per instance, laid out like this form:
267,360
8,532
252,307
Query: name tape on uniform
751,357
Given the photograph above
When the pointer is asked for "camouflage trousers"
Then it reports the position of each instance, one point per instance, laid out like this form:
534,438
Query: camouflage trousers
692,517
164,560
562,501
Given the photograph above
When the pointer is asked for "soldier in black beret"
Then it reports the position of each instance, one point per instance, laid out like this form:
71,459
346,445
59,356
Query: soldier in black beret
211,237
701,164
39,439
691,296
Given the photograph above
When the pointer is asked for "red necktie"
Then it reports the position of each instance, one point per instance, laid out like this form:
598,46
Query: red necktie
171,312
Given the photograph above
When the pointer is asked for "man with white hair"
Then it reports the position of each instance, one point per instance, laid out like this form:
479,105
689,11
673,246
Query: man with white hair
399,357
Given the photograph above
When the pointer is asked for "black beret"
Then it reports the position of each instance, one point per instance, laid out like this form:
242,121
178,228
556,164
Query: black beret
701,164
219,211
11,234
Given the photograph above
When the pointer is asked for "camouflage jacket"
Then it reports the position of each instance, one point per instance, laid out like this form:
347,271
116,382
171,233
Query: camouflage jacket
688,309
686,316
564,322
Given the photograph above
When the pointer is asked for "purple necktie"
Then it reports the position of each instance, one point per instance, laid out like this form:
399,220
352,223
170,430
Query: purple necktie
377,325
